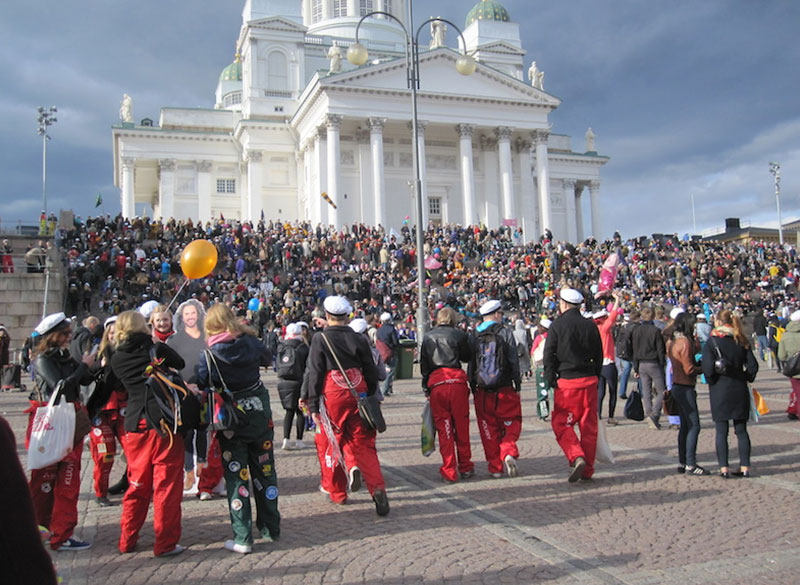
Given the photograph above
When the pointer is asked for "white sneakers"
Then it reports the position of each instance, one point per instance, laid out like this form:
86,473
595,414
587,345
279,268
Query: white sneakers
205,496
242,549
511,466
299,444
354,484
289,445
175,551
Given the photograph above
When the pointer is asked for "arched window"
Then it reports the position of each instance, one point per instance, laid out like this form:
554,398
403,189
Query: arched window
316,10
277,71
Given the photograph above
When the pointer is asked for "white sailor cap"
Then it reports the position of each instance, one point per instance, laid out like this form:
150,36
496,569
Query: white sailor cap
147,308
571,296
490,307
337,305
386,316
294,329
303,324
109,321
52,323
545,323
358,325
675,312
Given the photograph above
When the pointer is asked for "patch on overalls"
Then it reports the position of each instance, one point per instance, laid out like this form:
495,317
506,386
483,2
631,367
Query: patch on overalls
236,505
244,474
47,488
108,457
243,492
97,432
101,448
234,466
97,421
257,485
272,493
264,457
266,469
226,455
123,411
507,423
267,445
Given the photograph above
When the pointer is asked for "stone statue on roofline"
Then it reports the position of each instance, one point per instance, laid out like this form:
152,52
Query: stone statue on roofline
590,136
126,109
539,83
335,55
438,32
533,71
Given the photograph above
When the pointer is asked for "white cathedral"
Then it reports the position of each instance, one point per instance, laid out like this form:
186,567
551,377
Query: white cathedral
298,132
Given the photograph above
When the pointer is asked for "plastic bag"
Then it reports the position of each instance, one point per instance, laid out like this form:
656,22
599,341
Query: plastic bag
52,432
603,454
761,404
634,410
428,432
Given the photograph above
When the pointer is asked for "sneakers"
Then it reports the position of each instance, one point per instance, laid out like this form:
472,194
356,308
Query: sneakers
204,496
188,480
653,423
696,470
577,469
103,501
381,502
73,544
511,466
611,422
286,445
298,444
354,483
681,468
467,474
242,549
323,490
497,475
174,552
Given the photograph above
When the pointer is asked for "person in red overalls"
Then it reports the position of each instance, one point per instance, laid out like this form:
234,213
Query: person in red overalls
155,462
445,385
328,393
573,359
496,389
55,489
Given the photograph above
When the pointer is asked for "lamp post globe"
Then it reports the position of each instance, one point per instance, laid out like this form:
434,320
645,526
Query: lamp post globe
466,65
357,54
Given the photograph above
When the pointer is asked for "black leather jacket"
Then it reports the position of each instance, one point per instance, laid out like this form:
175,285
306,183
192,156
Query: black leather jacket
443,347
55,365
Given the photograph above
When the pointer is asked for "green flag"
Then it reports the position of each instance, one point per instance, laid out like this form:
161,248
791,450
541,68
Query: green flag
99,200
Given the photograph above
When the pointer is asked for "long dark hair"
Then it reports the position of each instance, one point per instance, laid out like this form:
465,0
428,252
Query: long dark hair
684,324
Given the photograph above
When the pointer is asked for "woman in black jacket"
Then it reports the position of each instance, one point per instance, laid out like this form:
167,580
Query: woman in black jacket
728,390
55,488
155,461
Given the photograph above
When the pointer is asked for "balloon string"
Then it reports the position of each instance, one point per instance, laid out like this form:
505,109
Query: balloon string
185,282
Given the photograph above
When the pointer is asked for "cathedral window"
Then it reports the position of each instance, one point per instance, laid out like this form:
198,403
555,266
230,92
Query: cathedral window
366,7
339,8
387,6
435,207
277,71
226,186
316,10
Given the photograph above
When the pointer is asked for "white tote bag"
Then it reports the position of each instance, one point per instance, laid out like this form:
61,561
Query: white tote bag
53,432
604,454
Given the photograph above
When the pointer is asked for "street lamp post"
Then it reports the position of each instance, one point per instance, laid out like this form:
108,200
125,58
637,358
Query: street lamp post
357,54
775,170
47,117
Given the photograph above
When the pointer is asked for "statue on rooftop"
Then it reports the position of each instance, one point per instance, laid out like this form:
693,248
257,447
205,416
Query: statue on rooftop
126,109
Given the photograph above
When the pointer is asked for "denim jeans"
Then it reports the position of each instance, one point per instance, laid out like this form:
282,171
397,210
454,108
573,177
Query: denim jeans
626,367
386,385
686,399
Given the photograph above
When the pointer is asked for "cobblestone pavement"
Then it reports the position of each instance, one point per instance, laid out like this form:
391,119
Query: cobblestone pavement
638,523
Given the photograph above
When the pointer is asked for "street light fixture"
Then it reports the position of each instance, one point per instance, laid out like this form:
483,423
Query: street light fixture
357,54
47,117
775,170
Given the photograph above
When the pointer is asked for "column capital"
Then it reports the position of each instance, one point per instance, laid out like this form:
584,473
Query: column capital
540,136
465,130
376,124
569,184
165,164
204,166
523,145
503,132
594,186
128,161
488,142
421,125
320,134
362,135
254,156
334,121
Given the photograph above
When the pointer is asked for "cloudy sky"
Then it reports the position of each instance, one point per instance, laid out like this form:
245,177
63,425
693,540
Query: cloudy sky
686,97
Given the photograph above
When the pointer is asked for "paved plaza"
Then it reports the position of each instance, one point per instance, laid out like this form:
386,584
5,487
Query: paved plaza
638,523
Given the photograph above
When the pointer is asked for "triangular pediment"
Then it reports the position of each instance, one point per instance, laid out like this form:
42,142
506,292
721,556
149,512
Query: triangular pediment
500,47
438,76
277,23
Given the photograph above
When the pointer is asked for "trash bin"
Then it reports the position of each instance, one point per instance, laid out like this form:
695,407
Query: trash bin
405,363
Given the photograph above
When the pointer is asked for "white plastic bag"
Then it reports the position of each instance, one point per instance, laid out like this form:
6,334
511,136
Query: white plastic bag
604,454
52,433
428,431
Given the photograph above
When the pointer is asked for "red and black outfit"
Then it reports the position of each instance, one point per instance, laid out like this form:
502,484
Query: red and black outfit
573,360
326,384
446,386
155,462
55,488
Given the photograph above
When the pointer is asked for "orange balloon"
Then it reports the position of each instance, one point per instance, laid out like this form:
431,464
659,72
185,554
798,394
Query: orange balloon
198,259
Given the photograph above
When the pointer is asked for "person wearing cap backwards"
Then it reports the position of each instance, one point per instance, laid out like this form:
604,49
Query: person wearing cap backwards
290,378
497,405
326,387
573,361
388,342
445,384
605,321
55,489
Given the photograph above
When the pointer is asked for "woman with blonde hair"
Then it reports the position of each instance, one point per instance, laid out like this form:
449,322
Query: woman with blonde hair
155,462
729,365
234,358
161,321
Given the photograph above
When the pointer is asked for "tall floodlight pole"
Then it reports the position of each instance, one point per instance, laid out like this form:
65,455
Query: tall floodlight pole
357,54
47,117
775,169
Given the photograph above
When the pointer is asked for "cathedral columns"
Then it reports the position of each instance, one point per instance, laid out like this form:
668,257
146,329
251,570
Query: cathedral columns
543,179
319,166
579,212
527,197
491,212
594,194
334,124
128,204
378,184
166,188
255,183
571,215
204,190
503,134
467,173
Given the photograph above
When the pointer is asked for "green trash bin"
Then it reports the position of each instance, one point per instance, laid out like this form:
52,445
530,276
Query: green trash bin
405,363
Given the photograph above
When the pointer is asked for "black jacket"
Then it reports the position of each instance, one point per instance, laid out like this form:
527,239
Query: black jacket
510,373
648,345
573,348
239,362
443,347
55,365
728,393
624,342
352,350
760,324
129,363
290,387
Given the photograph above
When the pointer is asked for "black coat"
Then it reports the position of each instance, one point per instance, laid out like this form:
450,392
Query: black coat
729,394
648,345
573,348
443,347
55,365
289,390
239,362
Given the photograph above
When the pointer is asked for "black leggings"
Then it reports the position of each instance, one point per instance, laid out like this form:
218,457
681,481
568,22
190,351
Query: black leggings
608,377
740,428
300,423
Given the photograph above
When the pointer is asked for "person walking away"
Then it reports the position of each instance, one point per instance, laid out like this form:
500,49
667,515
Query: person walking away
495,383
760,329
236,356
537,357
55,489
624,349
523,341
388,343
573,361
789,346
445,384
327,388
605,321
649,363
291,363
728,390
681,349
154,460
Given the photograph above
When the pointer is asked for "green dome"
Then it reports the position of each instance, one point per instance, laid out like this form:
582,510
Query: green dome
232,72
487,10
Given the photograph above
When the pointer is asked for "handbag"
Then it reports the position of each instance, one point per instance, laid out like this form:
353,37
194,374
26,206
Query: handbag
791,367
222,410
721,365
52,432
670,406
428,430
634,410
368,406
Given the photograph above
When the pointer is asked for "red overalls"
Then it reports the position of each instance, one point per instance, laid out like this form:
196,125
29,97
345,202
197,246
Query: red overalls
449,398
107,427
575,401
499,415
212,470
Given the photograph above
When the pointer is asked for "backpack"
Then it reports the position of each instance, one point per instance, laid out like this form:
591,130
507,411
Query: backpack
180,409
287,362
491,359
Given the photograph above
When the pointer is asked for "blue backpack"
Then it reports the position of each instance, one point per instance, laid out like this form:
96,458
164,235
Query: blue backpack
491,359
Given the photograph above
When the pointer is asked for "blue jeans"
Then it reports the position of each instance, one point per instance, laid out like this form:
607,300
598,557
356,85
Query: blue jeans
763,346
686,399
623,377
386,385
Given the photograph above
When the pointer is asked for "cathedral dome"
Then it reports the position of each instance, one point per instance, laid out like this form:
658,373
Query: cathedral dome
232,72
487,10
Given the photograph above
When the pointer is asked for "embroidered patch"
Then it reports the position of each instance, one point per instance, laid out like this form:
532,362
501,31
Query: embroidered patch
226,455
257,484
236,505
272,493
97,421
123,411
244,474
234,466
507,423
47,488
243,492
97,432
108,458
101,448
266,469
264,457
267,445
